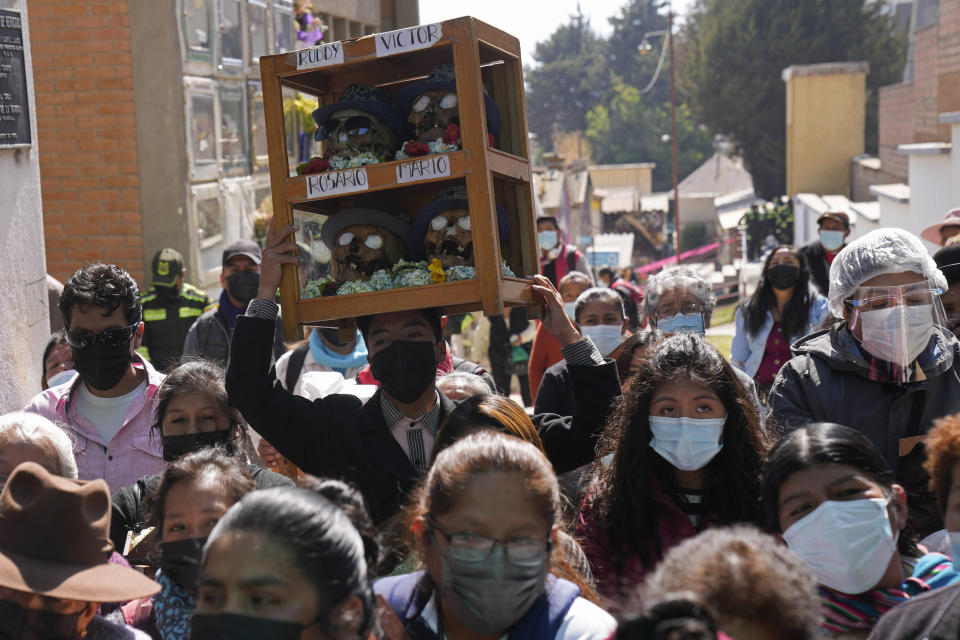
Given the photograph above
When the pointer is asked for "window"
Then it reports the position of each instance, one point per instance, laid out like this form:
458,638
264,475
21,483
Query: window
196,20
209,232
230,58
201,117
259,38
283,33
258,127
233,130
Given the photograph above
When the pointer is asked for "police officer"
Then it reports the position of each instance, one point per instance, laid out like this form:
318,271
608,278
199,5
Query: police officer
170,307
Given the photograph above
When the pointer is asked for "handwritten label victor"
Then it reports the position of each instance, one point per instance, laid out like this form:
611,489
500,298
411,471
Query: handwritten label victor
335,182
422,37
323,56
425,169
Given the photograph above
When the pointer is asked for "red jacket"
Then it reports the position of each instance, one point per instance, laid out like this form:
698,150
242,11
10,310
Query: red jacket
544,354
616,588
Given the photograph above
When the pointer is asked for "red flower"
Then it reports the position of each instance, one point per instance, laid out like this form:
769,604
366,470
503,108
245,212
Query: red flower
330,289
452,134
314,165
414,148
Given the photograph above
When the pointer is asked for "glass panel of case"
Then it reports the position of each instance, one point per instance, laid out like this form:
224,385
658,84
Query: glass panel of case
230,56
202,128
258,128
210,233
197,20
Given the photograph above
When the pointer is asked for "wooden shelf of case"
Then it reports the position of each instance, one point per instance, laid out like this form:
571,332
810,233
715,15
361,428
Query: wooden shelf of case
384,175
450,297
475,49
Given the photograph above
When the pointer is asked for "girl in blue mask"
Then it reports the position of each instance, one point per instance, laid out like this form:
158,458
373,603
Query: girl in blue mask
285,564
681,452
485,524
833,498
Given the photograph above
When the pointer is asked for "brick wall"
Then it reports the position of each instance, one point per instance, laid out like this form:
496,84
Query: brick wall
896,127
87,134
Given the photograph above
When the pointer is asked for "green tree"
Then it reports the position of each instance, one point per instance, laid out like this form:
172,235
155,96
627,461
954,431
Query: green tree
740,47
572,76
632,128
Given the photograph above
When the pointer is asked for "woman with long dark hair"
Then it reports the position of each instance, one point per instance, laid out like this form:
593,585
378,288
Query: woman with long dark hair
686,448
785,307
835,501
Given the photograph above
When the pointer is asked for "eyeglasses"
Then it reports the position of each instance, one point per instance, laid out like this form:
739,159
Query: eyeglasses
352,125
474,547
109,338
686,308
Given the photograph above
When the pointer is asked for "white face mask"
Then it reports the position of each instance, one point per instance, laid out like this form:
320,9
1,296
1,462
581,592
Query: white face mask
847,545
61,377
607,337
570,308
686,443
831,240
898,334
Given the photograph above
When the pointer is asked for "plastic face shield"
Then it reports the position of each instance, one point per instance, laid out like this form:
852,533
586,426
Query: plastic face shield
904,328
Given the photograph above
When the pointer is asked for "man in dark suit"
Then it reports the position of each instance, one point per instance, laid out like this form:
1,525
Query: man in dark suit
384,446
833,229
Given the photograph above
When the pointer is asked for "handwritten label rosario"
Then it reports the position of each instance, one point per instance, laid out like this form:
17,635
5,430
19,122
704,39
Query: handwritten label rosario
410,39
323,56
425,169
328,184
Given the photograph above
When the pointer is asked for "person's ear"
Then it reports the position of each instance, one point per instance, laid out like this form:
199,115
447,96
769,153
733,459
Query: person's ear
624,326
421,539
223,279
897,509
86,617
706,320
847,233
346,618
440,349
137,337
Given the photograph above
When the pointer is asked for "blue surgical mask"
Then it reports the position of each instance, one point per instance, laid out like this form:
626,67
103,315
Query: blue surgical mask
682,323
570,308
686,443
955,548
548,239
606,337
831,240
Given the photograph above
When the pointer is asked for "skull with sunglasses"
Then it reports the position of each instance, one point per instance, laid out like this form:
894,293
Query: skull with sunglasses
431,105
445,230
365,121
363,241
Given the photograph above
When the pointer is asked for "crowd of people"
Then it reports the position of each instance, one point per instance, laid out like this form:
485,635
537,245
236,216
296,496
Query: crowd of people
186,474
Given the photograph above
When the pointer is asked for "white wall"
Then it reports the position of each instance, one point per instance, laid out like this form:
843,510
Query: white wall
24,321
931,190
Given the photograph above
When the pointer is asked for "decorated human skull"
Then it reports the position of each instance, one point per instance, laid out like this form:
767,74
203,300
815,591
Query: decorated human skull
432,112
449,238
366,120
351,132
362,241
362,249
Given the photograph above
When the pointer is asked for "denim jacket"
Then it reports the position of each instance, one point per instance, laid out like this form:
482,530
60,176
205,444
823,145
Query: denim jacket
746,353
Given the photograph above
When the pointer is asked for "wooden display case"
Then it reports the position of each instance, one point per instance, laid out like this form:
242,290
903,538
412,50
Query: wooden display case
484,58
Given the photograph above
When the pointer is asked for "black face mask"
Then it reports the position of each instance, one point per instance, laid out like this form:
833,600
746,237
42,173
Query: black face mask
405,369
167,294
232,626
243,285
783,276
175,447
18,623
181,561
102,367
331,336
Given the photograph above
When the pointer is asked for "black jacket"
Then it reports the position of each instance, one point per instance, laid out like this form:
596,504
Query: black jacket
819,267
340,437
931,616
131,504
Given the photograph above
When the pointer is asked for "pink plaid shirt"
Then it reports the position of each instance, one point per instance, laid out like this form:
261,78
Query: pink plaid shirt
130,455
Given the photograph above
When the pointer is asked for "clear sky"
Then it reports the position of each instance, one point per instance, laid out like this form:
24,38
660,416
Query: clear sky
529,20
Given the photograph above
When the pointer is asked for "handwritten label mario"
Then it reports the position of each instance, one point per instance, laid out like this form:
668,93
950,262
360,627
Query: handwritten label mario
328,184
411,39
323,56
425,169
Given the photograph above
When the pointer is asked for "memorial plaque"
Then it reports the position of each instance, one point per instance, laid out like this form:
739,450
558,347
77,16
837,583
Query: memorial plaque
14,108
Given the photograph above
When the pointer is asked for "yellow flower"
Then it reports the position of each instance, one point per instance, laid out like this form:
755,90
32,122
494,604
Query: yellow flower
437,274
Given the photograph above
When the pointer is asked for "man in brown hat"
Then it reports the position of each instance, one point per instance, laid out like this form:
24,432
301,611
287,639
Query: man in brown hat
54,546
833,230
